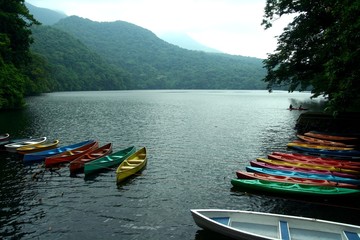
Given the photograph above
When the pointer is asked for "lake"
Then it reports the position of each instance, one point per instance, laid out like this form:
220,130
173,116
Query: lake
195,140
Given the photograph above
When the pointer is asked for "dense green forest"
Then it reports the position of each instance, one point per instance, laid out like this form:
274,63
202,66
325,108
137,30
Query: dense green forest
155,64
71,65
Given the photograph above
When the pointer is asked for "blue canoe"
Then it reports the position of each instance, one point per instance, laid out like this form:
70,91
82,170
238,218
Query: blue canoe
39,156
303,175
332,153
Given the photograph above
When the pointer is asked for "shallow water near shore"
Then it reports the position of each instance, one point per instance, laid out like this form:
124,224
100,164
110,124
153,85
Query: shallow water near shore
195,140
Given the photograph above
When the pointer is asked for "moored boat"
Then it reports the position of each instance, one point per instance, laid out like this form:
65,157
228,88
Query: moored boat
322,141
349,154
329,136
131,165
70,155
292,173
12,147
108,161
293,188
251,225
308,166
77,165
329,163
315,157
38,147
4,137
316,146
300,169
288,179
39,156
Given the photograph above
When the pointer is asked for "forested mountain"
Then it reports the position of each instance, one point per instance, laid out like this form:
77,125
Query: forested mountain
155,64
72,66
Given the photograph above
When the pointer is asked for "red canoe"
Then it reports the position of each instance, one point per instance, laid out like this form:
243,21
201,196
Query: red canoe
329,137
316,158
300,169
68,156
323,142
77,165
332,163
308,181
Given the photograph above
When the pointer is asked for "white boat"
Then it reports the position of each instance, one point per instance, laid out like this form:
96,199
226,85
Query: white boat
11,147
248,225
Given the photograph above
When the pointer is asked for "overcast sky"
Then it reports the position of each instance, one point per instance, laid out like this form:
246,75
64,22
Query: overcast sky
231,26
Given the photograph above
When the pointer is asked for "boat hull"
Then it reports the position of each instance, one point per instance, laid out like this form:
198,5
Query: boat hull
108,161
40,156
69,156
309,166
288,179
38,147
304,170
12,147
77,165
332,153
293,188
133,164
328,177
248,225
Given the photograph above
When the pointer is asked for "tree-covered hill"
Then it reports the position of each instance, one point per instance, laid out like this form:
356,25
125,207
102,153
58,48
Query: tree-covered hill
156,64
72,65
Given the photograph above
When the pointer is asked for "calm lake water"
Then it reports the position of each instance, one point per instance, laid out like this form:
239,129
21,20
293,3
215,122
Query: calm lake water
196,140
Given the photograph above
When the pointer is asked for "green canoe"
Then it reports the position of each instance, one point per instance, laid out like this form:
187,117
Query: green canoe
293,188
108,161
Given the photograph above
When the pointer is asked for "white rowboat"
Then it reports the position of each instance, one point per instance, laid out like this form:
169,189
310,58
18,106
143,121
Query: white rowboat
248,225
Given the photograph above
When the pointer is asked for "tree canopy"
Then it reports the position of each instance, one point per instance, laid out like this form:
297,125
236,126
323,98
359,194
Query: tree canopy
15,40
320,49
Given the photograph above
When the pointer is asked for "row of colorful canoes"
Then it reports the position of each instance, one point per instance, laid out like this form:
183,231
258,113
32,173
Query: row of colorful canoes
83,157
327,165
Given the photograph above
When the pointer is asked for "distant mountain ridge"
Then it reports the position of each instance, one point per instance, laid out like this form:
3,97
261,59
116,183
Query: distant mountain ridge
185,41
143,60
44,15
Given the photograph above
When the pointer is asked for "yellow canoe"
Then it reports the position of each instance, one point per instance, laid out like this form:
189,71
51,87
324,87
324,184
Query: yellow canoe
133,164
308,166
38,147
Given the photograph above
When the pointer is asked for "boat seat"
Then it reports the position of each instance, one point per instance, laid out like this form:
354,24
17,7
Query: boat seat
222,220
351,235
126,167
284,230
135,161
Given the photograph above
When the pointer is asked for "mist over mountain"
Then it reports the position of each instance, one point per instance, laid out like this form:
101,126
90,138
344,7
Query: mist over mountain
137,57
44,15
185,41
